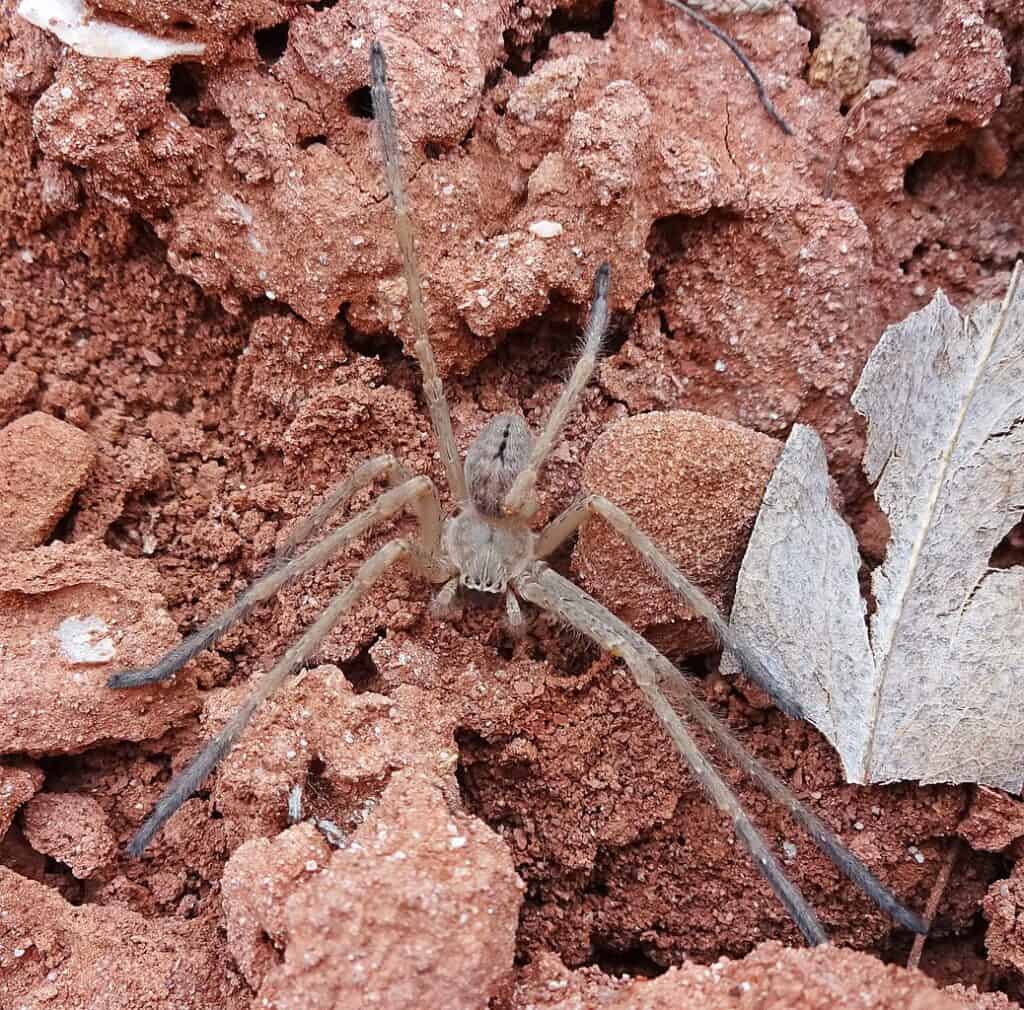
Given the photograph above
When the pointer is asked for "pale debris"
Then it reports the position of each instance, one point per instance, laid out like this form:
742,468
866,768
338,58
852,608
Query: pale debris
934,692
546,229
80,642
66,19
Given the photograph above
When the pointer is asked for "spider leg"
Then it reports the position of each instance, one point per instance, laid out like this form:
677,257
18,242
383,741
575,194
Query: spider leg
187,781
519,500
568,522
365,474
548,590
822,836
672,681
433,390
417,492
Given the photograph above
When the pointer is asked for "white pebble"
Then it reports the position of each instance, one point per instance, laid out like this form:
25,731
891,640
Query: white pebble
546,229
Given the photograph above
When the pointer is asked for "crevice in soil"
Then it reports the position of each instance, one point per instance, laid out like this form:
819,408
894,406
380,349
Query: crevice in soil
592,17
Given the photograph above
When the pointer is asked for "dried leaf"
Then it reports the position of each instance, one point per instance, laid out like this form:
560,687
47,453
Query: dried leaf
933,691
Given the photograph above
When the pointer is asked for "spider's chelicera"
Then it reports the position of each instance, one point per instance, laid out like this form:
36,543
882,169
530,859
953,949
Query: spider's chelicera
490,547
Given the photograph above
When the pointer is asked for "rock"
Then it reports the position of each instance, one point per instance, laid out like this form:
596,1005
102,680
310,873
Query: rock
1004,908
994,820
842,58
771,977
71,615
258,879
73,829
694,485
43,462
419,910
62,957
343,744
18,784
18,386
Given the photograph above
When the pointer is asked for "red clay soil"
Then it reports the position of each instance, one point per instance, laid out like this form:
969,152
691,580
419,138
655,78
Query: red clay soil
203,325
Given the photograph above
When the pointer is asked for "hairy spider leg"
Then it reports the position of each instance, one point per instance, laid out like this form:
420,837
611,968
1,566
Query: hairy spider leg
187,781
561,528
548,590
674,683
433,390
568,522
418,492
520,500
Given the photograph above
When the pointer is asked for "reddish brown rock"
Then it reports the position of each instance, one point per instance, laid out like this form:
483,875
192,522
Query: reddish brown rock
259,878
994,821
58,956
18,784
694,485
1004,908
17,387
418,910
73,829
43,462
69,617
343,746
770,978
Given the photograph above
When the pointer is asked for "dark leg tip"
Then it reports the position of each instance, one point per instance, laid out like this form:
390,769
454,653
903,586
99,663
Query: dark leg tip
136,678
602,280
378,64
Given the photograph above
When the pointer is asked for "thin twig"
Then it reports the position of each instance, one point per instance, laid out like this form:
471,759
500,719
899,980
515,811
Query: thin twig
938,890
875,89
762,91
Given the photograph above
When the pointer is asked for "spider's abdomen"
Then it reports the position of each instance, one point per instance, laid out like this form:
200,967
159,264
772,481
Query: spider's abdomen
495,459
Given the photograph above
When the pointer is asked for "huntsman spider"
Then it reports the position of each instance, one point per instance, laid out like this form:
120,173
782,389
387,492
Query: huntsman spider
489,546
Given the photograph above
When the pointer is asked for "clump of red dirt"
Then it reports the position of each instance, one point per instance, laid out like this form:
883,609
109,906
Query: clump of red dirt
203,325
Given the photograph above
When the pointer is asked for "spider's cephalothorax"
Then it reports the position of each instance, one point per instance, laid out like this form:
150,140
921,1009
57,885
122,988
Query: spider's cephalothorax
487,548
490,547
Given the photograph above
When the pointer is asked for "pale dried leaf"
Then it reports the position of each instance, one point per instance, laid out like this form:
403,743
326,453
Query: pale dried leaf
936,693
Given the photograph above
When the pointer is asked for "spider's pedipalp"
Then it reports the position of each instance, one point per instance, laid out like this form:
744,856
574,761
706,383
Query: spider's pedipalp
417,492
186,782
548,590
520,501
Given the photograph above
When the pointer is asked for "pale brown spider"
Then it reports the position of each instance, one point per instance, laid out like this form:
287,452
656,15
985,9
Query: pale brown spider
489,546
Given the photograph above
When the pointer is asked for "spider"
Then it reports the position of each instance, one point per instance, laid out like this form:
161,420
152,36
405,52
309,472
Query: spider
489,549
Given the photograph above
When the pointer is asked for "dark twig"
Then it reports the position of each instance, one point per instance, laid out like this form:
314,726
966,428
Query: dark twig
938,890
762,91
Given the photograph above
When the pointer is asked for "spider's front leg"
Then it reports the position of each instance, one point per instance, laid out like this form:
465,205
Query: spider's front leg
423,551
548,590
565,525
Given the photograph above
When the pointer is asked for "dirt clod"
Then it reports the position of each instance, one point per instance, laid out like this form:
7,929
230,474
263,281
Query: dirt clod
72,829
43,462
694,485
70,615
418,910
769,978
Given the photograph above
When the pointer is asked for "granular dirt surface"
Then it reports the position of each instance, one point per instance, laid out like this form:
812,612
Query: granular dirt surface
203,326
